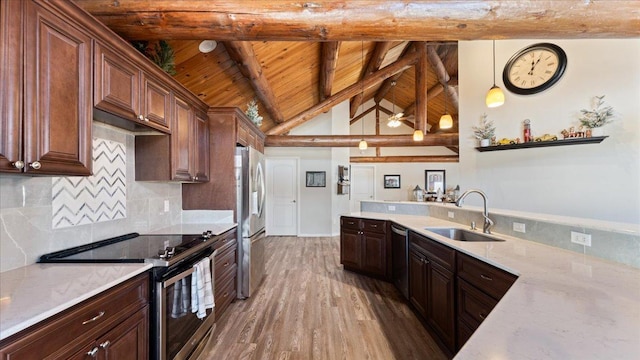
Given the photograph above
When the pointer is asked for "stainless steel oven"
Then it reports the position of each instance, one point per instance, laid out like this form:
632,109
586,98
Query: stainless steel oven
179,330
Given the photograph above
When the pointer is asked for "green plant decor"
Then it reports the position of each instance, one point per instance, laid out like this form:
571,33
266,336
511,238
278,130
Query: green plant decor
160,52
598,115
252,112
485,130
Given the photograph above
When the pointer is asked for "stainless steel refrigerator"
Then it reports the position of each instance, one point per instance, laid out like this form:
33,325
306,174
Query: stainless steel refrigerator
251,210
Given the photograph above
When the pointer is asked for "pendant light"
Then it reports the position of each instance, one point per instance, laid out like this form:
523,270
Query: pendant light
418,135
363,144
495,96
446,121
394,120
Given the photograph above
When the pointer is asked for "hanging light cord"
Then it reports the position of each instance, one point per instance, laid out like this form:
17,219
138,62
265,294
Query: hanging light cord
494,63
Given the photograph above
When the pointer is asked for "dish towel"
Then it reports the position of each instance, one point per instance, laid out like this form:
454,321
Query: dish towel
181,300
201,288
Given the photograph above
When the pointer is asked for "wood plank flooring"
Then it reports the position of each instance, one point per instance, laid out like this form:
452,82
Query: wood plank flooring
308,307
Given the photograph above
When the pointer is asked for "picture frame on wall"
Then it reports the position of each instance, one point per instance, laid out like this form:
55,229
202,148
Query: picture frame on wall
392,181
316,179
434,180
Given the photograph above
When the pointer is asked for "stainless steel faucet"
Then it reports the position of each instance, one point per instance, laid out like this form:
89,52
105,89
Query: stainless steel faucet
486,228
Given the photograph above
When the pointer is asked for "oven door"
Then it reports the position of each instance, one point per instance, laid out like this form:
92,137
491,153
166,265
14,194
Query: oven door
179,329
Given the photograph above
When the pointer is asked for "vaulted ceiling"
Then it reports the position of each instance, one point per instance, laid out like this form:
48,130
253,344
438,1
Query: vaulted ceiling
301,58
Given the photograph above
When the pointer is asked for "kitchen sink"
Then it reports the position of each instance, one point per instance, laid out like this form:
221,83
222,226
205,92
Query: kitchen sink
461,234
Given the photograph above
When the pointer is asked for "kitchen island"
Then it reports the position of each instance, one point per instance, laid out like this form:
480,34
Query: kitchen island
564,305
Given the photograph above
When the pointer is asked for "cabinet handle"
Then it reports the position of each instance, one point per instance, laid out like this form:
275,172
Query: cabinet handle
100,314
225,264
225,294
93,352
195,178
18,164
482,316
350,222
36,165
374,226
486,277
140,117
146,119
105,344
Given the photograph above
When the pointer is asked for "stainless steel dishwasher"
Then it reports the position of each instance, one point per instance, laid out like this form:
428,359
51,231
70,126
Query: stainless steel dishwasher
400,258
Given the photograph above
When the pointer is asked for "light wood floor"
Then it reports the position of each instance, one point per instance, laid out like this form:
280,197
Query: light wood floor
308,307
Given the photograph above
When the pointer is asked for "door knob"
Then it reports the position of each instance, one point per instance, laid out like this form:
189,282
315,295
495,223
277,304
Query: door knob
35,165
18,164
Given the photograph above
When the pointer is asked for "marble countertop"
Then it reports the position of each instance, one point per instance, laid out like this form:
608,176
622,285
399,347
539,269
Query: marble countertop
564,305
36,292
215,228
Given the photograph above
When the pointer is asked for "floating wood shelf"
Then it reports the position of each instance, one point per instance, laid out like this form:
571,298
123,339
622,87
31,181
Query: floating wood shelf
536,144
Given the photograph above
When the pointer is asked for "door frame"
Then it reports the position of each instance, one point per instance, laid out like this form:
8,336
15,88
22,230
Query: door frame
269,176
373,180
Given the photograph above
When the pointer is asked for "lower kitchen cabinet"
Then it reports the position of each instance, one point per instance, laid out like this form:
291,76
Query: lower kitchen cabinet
111,325
365,246
226,269
432,286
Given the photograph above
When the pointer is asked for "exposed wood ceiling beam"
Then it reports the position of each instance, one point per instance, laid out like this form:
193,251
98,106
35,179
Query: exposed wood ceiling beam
373,65
404,121
443,75
242,53
360,116
433,91
329,60
404,159
387,84
450,139
371,80
421,87
429,20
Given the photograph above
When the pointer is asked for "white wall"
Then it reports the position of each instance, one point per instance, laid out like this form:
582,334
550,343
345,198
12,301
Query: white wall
599,181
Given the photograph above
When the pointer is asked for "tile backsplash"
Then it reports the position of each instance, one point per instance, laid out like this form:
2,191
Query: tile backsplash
31,217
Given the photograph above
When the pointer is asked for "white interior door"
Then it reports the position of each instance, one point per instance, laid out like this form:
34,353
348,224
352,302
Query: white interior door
282,196
362,185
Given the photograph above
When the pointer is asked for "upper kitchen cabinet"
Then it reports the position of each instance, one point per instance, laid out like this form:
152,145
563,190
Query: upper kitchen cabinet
123,89
181,156
228,128
45,102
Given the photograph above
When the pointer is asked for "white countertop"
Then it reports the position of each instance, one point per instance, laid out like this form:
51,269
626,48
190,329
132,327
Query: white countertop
215,228
564,305
33,293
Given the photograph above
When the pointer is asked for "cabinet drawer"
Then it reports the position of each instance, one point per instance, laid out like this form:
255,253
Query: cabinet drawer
225,262
488,278
226,240
473,304
374,225
350,223
443,254
225,292
74,328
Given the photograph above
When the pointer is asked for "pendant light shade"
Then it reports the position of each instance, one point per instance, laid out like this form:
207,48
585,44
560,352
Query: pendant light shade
495,96
446,121
362,145
418,135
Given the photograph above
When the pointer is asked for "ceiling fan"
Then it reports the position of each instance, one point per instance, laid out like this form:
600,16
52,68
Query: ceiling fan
395,120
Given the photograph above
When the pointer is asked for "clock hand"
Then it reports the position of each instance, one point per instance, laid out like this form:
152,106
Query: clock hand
533,65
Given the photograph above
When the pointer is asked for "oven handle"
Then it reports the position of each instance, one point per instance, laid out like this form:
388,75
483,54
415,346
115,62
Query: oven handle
177,278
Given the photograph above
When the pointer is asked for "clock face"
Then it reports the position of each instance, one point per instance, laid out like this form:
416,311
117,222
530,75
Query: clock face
534,69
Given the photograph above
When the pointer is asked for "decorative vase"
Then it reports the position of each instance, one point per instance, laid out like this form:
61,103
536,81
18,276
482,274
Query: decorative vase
597,131
485,142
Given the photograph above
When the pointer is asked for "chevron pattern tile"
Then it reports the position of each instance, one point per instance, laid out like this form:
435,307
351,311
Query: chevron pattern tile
100,197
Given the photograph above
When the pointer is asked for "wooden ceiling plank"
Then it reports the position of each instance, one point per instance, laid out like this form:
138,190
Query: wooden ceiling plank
449,139
405,159
242,53
429,20
329,59
443,75
387,84
371,80
379,52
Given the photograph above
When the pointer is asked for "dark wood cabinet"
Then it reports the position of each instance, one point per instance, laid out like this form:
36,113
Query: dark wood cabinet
182,141
111,325
220,192
47,127
202,157
226,266
480,287
365,246
155,103
431,285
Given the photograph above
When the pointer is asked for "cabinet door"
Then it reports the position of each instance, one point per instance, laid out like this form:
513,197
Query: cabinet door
11,85
128,340
57,98
417,281
350,248
374,259
201,170
182,146
156,104
116,84
440,302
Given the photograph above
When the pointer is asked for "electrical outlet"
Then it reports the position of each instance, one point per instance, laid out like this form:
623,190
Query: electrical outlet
166,206
519,227
392,208
451,214
581,238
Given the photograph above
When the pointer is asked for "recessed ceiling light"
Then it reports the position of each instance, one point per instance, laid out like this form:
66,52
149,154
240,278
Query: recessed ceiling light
207,46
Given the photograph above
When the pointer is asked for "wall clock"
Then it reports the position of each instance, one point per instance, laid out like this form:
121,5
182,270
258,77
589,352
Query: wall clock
534,68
